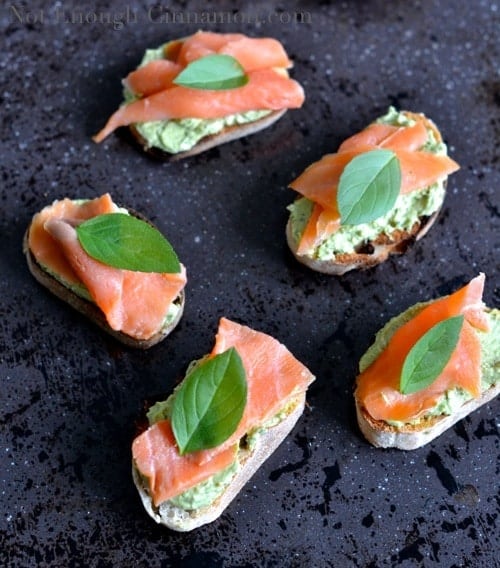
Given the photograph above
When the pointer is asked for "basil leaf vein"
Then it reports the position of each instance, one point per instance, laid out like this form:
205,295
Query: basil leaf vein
368,187
209,404
429,356
213,72
123,241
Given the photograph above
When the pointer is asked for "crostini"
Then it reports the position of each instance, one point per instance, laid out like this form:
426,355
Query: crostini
135,291
232,410
195,93
428,368
381,191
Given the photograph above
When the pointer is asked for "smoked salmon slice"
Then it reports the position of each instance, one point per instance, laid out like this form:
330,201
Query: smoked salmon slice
43,245
201,44
263,59
377,387
257,53
251,53
322,222
169,474
273,374
135,303
266,90
419,170
273,377
388,136
320,180
152,78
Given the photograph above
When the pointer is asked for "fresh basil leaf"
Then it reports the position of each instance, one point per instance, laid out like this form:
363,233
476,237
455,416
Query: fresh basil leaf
368,187
123,241
429,356
213,72
209,404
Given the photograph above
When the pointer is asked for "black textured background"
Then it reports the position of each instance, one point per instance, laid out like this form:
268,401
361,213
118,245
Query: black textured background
70,396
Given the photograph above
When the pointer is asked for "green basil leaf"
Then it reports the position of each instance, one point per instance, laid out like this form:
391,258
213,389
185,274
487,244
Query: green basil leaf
213,72
209,404
368,187
123,241
429,356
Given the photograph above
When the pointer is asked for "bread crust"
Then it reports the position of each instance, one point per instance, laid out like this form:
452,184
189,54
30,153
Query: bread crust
410,437
377,250
88,308
228,134
180,520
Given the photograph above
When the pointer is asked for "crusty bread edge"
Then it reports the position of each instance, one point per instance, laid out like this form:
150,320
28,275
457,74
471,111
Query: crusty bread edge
89,309
382,247
398,243
228,134
251,460
410,437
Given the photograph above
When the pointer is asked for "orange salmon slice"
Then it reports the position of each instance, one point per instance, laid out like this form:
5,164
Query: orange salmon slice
152,78
273,373
319,182
388,136
323,222
42,244
377,387
251,53
169,474
203,43
257,53
266,90
273,376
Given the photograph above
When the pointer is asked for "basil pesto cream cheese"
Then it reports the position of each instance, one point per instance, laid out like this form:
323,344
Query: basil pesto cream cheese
454,398
406,211
181,135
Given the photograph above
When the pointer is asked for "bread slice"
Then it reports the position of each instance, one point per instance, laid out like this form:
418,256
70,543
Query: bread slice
378,250
228,134
411,436
372,253
178,519
89,309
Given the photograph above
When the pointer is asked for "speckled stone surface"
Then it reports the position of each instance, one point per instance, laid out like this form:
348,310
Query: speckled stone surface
70,397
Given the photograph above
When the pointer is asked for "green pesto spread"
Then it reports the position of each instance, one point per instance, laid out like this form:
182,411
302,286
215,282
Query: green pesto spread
181,135
454,398
253,436
406,211
205,493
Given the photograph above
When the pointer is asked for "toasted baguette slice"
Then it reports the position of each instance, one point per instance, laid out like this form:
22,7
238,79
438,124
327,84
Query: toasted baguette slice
411,436
372,253
88,308
229,134
378,250
141,85
383,435
178,519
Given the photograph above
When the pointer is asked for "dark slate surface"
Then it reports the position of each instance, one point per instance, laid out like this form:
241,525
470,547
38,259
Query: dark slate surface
71,397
